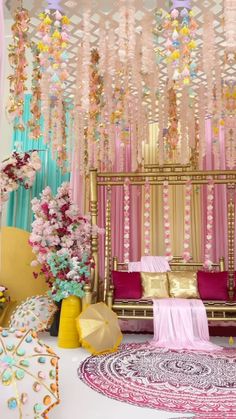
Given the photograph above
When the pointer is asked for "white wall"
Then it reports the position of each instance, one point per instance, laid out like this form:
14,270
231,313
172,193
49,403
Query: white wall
5,126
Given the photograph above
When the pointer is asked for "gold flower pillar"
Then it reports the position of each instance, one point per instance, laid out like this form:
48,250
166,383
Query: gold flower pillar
231,230
107,248
94,220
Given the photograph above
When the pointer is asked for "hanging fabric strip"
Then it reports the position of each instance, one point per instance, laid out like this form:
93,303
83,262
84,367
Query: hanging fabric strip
209,226
126,220
166,207
147,219
187,222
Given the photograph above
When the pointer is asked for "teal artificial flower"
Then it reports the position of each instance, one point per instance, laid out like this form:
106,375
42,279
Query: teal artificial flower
63,289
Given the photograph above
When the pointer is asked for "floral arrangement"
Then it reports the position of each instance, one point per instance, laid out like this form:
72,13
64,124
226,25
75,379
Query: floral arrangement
60,239
18,169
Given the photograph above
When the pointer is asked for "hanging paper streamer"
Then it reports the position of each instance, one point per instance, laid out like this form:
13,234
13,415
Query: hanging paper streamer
209,227
147,219
187,222
209,57
126,220
229,26
166,209
18,62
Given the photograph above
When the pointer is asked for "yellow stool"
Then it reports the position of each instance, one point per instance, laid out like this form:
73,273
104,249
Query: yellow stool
68,336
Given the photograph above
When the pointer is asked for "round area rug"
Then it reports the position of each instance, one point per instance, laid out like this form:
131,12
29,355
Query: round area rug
200,383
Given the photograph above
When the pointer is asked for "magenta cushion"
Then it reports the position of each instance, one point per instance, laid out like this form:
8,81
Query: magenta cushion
127,285
212,285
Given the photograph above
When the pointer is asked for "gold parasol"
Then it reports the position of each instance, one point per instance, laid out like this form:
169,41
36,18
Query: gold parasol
99,329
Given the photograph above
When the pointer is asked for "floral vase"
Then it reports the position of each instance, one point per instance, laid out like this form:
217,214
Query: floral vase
68,336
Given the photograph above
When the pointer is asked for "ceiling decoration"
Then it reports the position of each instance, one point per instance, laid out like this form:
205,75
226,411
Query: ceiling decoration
106,14
129,64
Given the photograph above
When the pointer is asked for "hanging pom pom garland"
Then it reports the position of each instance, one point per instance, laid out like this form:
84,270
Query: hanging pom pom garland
53,33
35,106
166,209
126,220
187,222
179,30
209,227
53,45
18,62
147,219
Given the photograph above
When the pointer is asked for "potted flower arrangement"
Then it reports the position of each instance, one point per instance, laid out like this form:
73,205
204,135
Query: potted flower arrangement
60,239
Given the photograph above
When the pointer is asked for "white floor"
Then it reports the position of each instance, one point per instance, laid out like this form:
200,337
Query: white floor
79,401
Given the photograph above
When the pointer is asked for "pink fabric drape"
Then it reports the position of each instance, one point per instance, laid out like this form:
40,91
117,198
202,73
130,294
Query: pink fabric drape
117,203
220,204
77,182
154,264
2,51
181,324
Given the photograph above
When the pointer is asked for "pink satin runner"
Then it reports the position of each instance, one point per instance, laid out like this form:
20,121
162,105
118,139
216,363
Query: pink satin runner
181,324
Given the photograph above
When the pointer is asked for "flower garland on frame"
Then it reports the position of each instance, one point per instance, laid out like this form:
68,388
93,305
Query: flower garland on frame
126,220
209,227
187,222
147,219
18,62
18,169
167,233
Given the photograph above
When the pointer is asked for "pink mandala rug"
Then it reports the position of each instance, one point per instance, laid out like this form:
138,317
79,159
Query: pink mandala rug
203,384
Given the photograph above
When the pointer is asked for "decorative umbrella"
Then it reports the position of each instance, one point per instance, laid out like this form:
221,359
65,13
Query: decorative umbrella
99,329
28,375
34,313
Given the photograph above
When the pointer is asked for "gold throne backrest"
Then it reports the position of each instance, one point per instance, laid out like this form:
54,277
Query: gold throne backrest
16,272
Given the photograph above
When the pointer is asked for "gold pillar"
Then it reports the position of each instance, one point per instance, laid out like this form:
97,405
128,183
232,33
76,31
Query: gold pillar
94,220
107,249
115,263
222,264
231,227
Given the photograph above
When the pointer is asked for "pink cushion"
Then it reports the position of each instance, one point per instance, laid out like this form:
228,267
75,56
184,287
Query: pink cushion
127,285
213,285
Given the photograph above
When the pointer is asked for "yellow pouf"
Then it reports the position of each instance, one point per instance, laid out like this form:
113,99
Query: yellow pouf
68,336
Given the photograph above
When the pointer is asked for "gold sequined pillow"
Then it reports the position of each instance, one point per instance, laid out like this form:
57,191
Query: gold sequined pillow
155,285
183,284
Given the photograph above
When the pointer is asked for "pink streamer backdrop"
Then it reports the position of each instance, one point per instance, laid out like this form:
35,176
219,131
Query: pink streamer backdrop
220,238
